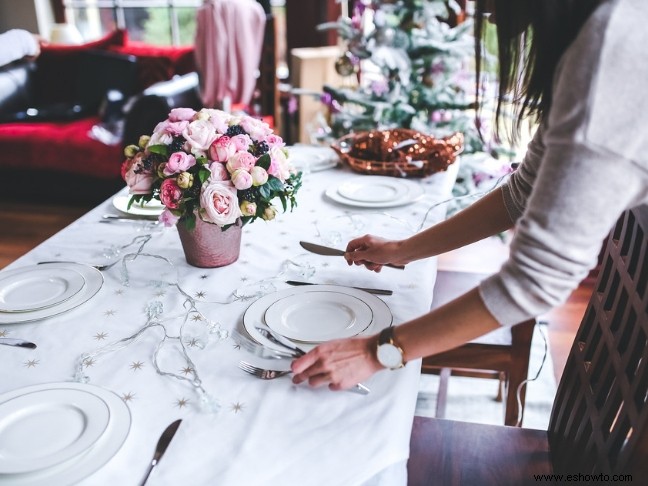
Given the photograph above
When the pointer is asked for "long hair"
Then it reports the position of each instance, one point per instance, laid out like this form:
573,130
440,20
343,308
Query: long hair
532,36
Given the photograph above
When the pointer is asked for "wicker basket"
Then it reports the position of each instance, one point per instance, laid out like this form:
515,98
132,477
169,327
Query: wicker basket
399,152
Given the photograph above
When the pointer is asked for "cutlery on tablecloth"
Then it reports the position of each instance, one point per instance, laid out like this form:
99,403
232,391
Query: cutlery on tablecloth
151,219
328,251
260,350
261,372
161,447
21,343
101,268
366,289
280,340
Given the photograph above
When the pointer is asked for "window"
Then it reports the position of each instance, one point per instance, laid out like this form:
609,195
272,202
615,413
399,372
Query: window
160,22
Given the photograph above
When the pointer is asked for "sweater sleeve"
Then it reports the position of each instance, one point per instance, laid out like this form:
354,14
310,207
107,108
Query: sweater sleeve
580,185
16,44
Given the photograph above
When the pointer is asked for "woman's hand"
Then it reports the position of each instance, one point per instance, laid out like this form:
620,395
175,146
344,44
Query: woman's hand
373,252
341,364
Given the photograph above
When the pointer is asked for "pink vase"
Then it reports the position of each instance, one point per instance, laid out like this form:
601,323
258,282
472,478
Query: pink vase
208,246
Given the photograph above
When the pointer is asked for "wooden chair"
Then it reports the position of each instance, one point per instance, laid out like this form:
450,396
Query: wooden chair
502,354
599,421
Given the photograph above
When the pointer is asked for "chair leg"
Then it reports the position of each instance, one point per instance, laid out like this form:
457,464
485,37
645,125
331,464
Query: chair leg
501,387
522,335
442,394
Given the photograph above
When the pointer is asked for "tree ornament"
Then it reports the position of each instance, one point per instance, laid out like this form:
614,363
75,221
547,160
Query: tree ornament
344,65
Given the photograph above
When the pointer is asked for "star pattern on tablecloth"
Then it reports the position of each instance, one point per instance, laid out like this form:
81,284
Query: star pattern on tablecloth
32,363
160,293
110,312
119,292
196,317
326,264
4,333
192,343
244,278
136,365
244,262
100,336
200,294
204,276
181,402
187,370
127,397
236,346
237,407
88,362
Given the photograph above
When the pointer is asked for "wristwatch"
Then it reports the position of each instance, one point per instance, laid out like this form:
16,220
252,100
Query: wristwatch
389,354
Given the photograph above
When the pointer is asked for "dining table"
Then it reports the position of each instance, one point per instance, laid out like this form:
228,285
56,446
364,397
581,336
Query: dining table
149,339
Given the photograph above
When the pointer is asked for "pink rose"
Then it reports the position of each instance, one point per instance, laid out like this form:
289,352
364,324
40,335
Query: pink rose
219,119
258,129
179,162
170,194
138,179
242,142
248,208
167,218
222,149
219,202
200,134
274,141
176,128
181,114
241,179
259,175
241,160
218,172
279,166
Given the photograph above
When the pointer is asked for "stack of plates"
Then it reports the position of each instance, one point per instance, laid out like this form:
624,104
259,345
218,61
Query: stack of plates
151,209
59,433
375,192
313,314
39,291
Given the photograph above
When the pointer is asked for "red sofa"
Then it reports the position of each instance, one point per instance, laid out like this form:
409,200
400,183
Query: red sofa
50,155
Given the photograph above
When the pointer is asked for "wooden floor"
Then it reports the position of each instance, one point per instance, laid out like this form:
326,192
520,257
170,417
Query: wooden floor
23,226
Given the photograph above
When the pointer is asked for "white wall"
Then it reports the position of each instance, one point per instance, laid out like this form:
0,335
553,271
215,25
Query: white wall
33,15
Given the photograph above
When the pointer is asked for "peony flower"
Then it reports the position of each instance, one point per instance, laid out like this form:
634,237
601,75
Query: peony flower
279,166
241,160
274,141
138,179
222,149
248,208
179,162
219,202
185,180
167,218
200,134
241,179
170,194
258,129
218,172
269,214
160,138
259,175
181,114
218,118
242,142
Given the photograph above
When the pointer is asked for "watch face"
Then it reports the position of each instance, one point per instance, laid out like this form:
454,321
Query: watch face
389,356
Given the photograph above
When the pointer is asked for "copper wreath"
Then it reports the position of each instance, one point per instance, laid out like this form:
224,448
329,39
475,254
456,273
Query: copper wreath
399,152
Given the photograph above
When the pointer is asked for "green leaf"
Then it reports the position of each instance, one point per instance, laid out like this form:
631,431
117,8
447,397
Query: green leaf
203,174
265,191
264,161
274,184
160,149
283,201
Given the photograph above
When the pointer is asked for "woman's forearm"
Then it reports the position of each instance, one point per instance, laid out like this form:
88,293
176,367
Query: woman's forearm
486,217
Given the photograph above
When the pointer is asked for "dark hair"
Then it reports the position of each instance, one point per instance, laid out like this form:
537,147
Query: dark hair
532,36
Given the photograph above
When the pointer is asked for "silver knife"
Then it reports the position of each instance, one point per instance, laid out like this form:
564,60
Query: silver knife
160,449
21,343
328,251
366,289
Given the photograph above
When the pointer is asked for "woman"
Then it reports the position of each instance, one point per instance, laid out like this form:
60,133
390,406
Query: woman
580,67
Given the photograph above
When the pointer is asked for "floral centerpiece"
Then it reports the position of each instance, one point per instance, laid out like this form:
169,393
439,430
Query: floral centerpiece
212,165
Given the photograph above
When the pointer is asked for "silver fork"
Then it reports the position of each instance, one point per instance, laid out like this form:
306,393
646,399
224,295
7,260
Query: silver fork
261,372
101,268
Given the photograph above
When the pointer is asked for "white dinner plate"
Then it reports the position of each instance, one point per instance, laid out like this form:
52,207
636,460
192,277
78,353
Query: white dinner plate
255,313
312,158
83,465
34,288
47,427
317,316
93,282
151,209
375,192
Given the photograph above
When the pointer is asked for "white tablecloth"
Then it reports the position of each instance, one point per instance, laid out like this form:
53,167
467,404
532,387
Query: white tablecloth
266,432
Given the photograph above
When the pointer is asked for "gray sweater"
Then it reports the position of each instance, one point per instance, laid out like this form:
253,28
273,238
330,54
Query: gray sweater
583,168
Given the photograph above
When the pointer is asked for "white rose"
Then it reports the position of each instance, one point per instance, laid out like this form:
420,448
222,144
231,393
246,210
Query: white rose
220,202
